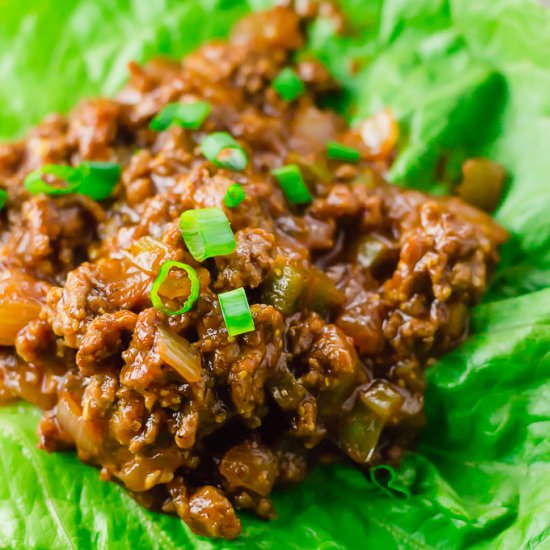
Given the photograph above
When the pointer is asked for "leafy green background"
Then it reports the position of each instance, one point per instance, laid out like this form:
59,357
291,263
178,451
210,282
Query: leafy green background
465,77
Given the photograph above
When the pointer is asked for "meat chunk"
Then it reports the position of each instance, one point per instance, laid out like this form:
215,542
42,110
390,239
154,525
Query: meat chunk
207,511
69,308
104,339
250,466
251,262
259,355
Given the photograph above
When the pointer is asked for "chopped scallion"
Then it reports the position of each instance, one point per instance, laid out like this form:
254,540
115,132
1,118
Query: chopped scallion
337,151
223,150
234,195
3,198
94,179
288,84
236,312
35,185
187,115
156,289
97,179
292,183
207,233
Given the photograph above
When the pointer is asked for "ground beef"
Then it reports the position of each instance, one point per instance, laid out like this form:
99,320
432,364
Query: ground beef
376,282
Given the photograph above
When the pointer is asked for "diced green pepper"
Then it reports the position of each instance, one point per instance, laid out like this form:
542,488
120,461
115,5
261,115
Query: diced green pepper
359,433
284,288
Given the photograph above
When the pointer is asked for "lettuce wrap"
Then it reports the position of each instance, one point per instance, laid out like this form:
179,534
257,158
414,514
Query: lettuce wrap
465,78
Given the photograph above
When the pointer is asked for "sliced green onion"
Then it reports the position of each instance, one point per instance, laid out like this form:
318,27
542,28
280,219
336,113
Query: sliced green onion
288,84
207,233
35,185
3,198
236,312
338,151
292,183
97,179
94,179
233,158
159,281
187,115
223,150
234,195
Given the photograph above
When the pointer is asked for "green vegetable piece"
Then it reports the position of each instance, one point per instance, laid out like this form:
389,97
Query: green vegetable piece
35,185
97,179
284,288
207,233
234,195
94,179
359,433
223,150
3,198
186,115
482,183
288,84
337,151
290,286
320,293
292,183
236,312
371,251
156,289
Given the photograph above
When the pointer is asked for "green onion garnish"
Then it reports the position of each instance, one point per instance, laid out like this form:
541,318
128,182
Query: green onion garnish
207,233
288,84
337,151
35,185
94,179
161,279
98,179
187,115
236,312
234,195
3,198
223,150
292,183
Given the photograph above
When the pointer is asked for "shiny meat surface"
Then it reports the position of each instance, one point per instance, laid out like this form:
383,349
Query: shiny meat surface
352,295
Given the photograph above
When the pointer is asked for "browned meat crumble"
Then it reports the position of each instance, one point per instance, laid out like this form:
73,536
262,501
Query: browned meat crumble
381,280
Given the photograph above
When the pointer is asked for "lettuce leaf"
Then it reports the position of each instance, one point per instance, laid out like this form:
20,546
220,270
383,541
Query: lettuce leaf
465,77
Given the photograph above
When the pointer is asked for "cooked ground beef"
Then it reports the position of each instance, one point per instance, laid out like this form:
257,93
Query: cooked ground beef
377,281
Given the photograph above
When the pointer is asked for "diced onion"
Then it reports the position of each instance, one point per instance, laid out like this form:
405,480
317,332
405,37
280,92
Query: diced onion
83,432
21,299
147,254
380,133
180,354
14,315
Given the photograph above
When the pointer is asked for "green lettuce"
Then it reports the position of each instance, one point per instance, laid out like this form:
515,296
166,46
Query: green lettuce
464,77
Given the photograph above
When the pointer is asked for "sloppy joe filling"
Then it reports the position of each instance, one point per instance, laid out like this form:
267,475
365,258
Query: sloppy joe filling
312,298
